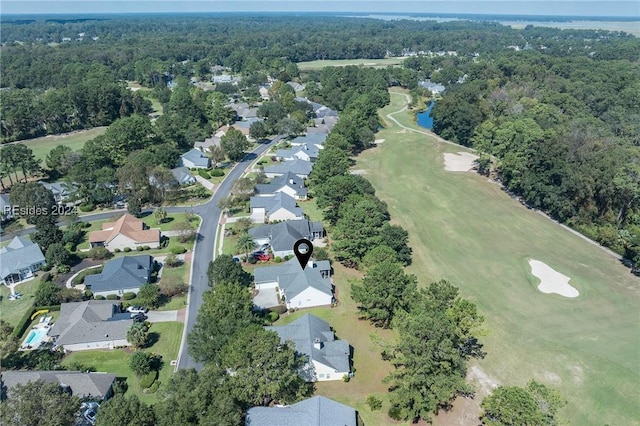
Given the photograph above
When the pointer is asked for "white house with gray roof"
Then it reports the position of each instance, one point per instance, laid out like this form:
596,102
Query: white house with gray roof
195,159
315,139
121,275
289,183
93,386
316,411
20,260
307,152
276,207
61,191
299,288
183,176
282,236
92,324
327,358
300,168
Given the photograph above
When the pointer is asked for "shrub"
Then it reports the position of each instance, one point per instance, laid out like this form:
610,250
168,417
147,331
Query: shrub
147,380
63,269
346,378
204,174
99,297
374,403
171,261
45,267
128,295
153,388
280,309
273,316
395,413
86,207
112,297
178,250
100,253
217,173
278,259
139,248
116,250
46,277
127,249
88,293
146,248
253,260
288,257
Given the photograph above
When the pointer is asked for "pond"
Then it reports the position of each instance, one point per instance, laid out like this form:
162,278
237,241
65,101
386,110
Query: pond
424,118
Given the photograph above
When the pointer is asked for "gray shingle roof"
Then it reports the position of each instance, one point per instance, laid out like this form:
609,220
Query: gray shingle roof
293,279
289,179
316,411
82,385
272,203
308,329
182,175
313,139
298,167
121,273
90,321
197,157
308,148
19,254
283,235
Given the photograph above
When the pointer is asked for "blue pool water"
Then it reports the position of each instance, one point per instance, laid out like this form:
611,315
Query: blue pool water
424,118
36,336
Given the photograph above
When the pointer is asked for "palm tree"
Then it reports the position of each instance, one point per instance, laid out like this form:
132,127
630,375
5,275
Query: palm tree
245,243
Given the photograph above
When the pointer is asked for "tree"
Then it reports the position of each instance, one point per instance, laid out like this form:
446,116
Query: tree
33,199
47,232
203,398
148,295
332,193
225,269
39,403
384,291
535,404
61,159
217,154
245,244
160,214
57,255
138,335
397,238
8,342
163,182
290,127
141,363
258,130
234,144
376,255
226,309
123,411
331,162
47,294
243,224
134,205
265,370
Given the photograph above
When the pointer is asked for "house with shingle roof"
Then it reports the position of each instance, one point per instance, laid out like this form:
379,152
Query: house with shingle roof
61,191
288,183
316,411
315,139
300,288
282,236
183,176
327,358
92,386
127,231
124,274
92,324
270,208
306,152
195,159
301,168
20,260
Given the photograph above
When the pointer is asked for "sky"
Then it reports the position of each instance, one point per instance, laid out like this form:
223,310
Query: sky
507,7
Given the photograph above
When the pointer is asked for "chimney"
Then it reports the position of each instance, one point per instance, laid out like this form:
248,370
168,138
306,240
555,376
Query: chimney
317,344
310,264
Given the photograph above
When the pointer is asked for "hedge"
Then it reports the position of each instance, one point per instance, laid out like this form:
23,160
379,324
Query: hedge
204,174
127,249
24,322
273,316
178,250
99,297
128,295
280,309
147,380
139,248
112,297
86,207
217,173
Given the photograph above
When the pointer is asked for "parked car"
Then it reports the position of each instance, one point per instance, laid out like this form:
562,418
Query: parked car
90,415
139,317
137,309
265,247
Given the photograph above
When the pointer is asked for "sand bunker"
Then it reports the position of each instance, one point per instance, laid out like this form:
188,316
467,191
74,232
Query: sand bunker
552,281
459,162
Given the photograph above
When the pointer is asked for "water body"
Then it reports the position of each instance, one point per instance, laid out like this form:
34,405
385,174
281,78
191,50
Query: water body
424,118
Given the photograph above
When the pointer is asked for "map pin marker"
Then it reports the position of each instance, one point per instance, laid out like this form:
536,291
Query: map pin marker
303,250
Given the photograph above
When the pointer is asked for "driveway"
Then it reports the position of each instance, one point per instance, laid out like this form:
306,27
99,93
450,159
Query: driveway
162,316
266,298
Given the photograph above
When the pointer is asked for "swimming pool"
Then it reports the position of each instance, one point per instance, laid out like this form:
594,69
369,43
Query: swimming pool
35,336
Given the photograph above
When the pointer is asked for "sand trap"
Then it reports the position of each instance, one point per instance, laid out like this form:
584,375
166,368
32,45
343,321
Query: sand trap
460,162
552,281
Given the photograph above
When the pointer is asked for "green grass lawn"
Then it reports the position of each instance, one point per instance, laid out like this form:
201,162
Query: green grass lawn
376,63
12,311
116,361
173,222
467,230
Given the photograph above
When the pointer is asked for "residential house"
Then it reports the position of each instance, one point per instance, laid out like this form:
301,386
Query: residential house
322,125
300,168
299,288
6,211
121,275
92,324
434,88
282,236
61,191
125,232
183,176
288,183
20,260
264,93
327,358
297,87
270,208
244,111
91,386
314,139
316,411
320,110
195,159
224,78
306,152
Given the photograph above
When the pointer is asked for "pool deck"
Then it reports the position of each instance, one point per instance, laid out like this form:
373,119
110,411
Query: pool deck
45,324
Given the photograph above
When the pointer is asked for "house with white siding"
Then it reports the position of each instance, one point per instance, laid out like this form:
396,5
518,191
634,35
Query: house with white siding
20,260
276,207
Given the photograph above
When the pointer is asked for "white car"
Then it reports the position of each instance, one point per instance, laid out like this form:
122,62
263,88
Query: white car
137,310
